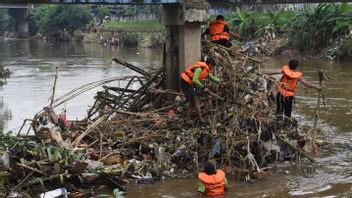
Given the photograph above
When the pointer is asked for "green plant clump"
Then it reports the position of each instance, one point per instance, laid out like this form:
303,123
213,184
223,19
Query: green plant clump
314,29
7,23
340,50
129,39
51,19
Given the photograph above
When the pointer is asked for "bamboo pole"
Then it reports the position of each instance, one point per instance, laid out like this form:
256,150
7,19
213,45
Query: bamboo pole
316,117
54,87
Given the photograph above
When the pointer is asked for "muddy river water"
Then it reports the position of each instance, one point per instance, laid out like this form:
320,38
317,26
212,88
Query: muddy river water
29,88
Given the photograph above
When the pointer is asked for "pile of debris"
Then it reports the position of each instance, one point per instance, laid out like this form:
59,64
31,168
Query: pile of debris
137,134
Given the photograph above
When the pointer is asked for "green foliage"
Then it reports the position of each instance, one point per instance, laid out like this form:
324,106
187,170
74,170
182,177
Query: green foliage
102,11
316,28
7,23
277,20
344,49
152,40
54,18
6,140
157,40
129,39
244,22
29,149
32,25
340,50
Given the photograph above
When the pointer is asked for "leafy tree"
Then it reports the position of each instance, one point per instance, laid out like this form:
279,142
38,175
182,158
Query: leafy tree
54,18
7,23
314,29
102,11
275,19
344,20
244,21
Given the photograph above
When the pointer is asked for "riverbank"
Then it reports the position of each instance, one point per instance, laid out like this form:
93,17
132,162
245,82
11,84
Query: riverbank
127,39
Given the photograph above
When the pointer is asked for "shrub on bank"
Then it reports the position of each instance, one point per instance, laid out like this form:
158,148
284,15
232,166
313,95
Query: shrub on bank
134,25
344,49
129,39
315,29
60,21
7,23
340,50
152,40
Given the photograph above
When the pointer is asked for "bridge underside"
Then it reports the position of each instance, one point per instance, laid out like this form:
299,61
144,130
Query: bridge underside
4,5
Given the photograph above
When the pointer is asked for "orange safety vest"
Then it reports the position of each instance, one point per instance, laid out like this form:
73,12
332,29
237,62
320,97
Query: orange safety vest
288,82
216,29
214,184
187,75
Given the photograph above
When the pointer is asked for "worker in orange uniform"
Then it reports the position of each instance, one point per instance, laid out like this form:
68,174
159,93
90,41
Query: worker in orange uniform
287,87
191,79
212,182
219,32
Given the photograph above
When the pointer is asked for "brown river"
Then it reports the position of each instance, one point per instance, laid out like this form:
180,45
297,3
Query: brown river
29,88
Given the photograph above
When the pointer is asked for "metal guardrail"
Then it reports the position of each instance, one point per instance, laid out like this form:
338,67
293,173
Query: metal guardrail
129,2
141,2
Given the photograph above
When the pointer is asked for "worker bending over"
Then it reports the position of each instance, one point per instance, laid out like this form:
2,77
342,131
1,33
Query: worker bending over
191,79
219,32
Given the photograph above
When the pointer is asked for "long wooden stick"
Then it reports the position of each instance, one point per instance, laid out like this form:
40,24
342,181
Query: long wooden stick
54,86
132,67
30,168
316,117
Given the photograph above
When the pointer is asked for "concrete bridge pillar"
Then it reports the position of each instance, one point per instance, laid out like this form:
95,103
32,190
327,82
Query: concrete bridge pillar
183,43
21,17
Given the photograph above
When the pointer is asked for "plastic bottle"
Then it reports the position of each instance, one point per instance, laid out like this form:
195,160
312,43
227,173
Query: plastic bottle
54,193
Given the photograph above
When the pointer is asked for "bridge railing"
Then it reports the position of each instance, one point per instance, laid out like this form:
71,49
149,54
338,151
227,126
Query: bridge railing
166,1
